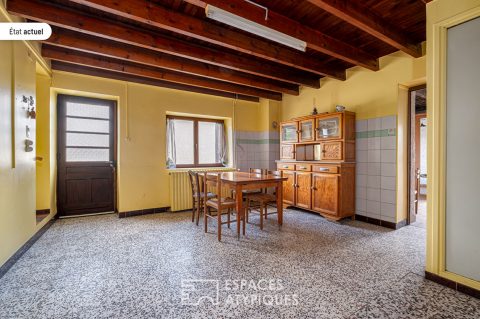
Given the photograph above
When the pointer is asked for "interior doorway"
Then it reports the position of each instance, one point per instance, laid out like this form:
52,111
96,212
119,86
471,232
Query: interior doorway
417,157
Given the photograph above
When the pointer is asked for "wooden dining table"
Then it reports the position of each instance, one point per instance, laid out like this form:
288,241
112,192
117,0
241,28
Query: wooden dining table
240,181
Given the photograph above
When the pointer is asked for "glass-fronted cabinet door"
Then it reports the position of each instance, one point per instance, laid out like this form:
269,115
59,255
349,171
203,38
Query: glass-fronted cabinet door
289,132
329,127
306,130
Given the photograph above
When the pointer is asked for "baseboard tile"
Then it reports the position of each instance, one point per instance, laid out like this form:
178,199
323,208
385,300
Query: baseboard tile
453,285
19,253
380,222
43,211
143,212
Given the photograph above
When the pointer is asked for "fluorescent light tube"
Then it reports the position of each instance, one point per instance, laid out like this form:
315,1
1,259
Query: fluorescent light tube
255,28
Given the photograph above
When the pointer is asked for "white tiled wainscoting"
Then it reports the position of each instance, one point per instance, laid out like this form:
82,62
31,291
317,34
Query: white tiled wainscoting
257,149
376,148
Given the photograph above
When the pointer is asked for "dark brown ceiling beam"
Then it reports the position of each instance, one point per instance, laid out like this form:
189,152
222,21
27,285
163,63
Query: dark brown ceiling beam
369,22
315,39
155,15
70,56
112,49
76,21
79,69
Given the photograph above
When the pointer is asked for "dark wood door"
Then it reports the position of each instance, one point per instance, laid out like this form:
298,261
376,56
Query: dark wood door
304,190
86,155
325,193
289,188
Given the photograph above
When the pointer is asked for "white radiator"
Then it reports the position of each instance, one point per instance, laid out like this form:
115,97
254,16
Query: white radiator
181,190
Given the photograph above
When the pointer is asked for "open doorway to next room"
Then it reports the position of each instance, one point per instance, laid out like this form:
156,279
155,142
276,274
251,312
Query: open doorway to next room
418,157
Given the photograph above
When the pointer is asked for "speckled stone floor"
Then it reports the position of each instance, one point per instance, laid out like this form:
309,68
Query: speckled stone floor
148,266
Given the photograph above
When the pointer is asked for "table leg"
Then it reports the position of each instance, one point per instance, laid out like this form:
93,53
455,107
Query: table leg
280,203
239,208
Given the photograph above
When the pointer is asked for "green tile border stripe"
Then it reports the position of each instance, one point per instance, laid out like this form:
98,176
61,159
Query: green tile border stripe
377,133
258,141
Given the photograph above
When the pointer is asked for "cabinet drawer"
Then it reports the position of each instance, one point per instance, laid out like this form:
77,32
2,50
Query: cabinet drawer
290,167
303,167
325,169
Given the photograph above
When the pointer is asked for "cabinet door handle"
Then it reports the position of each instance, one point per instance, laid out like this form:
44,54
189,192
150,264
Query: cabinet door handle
302,167
323,169
313,188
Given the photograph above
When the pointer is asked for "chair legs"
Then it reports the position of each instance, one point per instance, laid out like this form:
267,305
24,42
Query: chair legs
228,217
261,217
199,207
207,213
219,225
205,217
194,208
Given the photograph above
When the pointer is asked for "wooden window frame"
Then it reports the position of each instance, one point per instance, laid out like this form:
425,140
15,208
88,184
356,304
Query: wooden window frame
195,121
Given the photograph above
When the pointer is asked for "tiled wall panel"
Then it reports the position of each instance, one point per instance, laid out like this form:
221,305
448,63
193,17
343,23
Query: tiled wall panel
376,148
257,149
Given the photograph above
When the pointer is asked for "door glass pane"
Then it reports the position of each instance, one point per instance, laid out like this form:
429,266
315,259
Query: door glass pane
78,139
462,174
289,132
184,142
307,130
329,127
207,143
88,110
87,155
83,125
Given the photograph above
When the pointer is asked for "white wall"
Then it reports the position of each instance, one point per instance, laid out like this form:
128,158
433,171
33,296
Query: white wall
463,150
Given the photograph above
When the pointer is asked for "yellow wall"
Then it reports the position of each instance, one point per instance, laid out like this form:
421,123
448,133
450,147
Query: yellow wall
370,94
268,113
441,14
142,176
17,167
43,142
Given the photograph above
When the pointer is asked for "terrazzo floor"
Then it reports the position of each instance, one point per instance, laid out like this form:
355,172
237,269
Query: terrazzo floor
421,218
149,266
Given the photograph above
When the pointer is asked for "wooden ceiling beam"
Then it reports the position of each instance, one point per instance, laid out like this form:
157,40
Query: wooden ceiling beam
80,69
89,44
77,21
150,13
315,39
70,56
369,22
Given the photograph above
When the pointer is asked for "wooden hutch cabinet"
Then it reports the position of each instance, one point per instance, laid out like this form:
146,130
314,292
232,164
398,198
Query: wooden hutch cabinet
317,154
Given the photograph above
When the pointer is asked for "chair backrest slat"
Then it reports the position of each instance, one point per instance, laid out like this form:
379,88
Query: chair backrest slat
195,183
214,181
274,173
257,171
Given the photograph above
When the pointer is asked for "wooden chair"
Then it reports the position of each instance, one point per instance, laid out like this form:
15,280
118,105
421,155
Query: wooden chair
258,171
249,192
264,200
198,195
218,203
